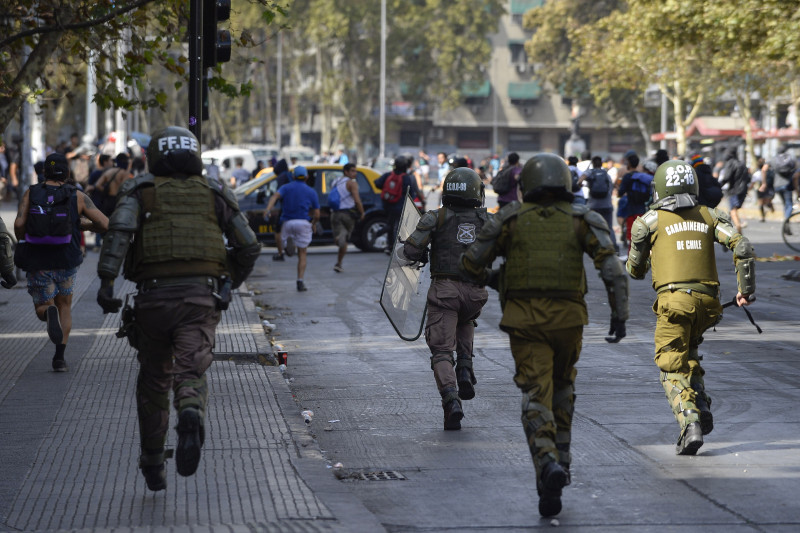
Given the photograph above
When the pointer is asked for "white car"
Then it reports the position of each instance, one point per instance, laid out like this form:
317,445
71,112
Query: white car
225,159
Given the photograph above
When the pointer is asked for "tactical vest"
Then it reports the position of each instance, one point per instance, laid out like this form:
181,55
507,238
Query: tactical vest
452,236
545,255
179,234
683,251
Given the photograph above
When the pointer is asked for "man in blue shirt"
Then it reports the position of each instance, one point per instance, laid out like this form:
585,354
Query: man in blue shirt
299,218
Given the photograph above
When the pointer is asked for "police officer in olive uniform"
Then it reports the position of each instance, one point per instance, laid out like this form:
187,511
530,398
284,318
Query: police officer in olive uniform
541,286
168,230
676,237
453,302
6,257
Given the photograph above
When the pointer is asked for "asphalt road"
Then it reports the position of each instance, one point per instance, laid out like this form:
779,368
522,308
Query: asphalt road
378,420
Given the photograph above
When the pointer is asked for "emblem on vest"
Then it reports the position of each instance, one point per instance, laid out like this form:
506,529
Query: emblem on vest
466,233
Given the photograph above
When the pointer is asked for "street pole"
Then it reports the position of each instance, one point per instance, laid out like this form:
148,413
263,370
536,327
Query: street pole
663,143
383,81
196,69
279,103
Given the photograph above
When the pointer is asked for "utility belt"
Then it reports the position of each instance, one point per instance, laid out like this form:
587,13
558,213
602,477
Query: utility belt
689,288
159,283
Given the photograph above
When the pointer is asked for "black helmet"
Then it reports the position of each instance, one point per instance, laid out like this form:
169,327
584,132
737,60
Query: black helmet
174,150
456,161
400,164
462,187
56,167
544,172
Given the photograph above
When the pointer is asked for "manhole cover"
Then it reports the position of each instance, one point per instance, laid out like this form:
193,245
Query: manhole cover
390,475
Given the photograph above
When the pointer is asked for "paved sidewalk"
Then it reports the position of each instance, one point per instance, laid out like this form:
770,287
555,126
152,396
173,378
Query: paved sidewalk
69,442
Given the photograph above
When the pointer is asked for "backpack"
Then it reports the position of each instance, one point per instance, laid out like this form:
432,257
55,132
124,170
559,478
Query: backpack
576,180
334,197
392,190
503,182
599,183
640,188
785,164
50,217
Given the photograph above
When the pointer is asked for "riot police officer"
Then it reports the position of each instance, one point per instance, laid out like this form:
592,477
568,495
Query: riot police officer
541,286
6,257
676,237
168,229
453,302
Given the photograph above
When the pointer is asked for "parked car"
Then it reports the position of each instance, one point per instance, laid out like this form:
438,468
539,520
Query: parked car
368,235
303,155
225,159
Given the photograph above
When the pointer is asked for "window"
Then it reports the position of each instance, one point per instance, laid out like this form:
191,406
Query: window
517,50
527,141
474,139
410,137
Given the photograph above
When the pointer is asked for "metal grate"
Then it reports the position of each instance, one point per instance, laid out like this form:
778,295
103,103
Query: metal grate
390,475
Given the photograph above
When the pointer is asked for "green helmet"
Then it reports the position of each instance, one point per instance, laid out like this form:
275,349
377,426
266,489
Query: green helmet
545,171
462,187
674,177
174,150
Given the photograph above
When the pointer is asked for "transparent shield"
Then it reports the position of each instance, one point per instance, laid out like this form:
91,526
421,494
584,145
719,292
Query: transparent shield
404,297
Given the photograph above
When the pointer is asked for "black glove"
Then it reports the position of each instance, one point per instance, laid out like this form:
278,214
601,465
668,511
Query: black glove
106,300
9,280
617,329
493,279
424,258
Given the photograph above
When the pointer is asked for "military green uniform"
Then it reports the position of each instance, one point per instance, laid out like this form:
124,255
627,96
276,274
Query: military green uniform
169,232
542,285
677,241
453,302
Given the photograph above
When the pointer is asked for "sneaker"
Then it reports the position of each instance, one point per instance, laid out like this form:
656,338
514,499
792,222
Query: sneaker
301,287
453,415
290,249
278,257
552,480
59,364
690,441
189,443
338,268
54,330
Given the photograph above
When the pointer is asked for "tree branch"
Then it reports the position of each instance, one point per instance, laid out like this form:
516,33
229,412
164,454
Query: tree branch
136,4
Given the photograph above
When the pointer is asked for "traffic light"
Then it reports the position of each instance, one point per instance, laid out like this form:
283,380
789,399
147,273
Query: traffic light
216,41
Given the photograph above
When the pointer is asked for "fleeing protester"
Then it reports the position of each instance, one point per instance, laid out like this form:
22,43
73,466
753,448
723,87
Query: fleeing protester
734,173
350,210
299,218
676,237
282,176
506,182
542,288
786,179
239,174
764,185
49,225
453,302
395,186
6,257
183,282
600,188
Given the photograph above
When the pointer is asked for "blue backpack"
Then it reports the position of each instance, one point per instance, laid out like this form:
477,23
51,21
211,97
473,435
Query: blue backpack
334,198
640,187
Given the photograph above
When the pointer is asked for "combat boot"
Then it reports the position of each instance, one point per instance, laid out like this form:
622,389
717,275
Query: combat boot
151,463
465,378
703,404
690,440
190,440
452,409
564,459
549,485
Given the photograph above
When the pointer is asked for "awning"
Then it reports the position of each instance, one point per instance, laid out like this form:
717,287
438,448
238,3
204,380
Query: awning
524,90
476,89
709,127
518,7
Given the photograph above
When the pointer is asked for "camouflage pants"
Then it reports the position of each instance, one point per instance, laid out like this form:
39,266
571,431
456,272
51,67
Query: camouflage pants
545,373
682,320
176,339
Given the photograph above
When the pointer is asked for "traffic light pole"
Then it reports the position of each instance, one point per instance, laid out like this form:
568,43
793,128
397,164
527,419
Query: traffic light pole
196,68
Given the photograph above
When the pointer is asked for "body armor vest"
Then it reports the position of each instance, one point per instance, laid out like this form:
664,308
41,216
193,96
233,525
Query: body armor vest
545,254
684,248
452,236
179,234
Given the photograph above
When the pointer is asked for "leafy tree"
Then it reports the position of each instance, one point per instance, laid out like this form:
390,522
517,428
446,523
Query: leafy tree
45,48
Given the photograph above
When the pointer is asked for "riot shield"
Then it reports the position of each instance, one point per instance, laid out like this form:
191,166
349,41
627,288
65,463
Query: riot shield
404,297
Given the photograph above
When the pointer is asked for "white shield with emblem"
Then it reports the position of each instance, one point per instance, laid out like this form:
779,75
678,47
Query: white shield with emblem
404,297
